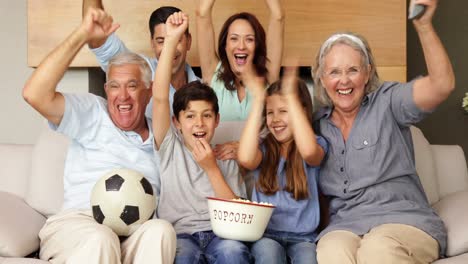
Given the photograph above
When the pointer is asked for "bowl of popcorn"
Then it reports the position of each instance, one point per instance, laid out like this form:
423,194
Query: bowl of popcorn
239,219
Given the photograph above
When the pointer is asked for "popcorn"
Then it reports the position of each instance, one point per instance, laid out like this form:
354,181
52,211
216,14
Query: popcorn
252,202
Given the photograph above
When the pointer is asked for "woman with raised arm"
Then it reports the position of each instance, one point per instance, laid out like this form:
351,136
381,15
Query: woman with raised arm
378,210
242,47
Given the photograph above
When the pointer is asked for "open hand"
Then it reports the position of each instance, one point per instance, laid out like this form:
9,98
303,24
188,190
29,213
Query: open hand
227,150
289,81
426,18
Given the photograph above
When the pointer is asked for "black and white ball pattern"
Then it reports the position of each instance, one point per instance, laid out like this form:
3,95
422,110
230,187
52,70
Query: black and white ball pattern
123,199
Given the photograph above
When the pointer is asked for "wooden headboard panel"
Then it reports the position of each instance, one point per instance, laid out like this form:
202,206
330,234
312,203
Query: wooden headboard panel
308,23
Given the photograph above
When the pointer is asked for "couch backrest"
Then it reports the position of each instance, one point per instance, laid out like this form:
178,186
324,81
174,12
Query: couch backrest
228,131
441,168
451,169
45,186
15,168
45,189
231,131
425,165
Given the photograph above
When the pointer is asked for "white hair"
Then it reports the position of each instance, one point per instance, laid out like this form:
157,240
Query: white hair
335,37
132,58
356,42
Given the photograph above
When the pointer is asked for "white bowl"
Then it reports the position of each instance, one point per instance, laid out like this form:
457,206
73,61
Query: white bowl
238,220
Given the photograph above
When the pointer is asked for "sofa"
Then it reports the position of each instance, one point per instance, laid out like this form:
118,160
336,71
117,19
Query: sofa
31,189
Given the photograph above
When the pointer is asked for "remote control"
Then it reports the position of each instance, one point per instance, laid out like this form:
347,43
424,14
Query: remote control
416,11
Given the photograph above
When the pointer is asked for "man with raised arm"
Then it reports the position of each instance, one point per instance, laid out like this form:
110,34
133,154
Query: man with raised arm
108,46
104,135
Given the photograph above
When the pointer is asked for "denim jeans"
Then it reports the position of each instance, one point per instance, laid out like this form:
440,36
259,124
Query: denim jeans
206,247
284,247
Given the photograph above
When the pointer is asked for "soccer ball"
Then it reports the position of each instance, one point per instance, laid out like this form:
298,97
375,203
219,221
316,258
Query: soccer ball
123,200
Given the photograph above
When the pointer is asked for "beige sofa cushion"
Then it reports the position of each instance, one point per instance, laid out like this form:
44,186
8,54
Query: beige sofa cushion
453,209
425,165
450,168
19,226
22,261
15,168
228,131
45,193
231,131
461,259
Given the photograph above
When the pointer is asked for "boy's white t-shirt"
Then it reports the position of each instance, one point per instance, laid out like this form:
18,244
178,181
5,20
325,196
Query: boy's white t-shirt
185,186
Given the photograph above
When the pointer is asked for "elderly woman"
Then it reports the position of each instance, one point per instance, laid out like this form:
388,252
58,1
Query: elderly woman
378,209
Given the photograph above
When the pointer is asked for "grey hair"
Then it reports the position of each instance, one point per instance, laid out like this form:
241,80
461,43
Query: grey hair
356,42
132,58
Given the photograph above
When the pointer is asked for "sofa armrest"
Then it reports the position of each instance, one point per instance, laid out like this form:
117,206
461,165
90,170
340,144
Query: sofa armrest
19,226
453,209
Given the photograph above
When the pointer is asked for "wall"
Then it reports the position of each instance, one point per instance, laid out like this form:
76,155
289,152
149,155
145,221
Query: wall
305,28
20,123
448,124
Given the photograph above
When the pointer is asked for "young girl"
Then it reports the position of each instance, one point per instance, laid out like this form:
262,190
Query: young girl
285,171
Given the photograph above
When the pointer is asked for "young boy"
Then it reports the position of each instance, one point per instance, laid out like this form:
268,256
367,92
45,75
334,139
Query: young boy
188,168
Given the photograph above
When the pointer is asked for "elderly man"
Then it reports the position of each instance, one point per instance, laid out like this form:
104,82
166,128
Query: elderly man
104,135
107,47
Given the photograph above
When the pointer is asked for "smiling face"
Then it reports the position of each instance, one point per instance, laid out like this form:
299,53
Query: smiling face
277,118
127,97
344,77
240,45
198,120
157,43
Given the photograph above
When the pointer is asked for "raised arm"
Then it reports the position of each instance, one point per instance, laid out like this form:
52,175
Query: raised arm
249,155
434,88
275,37
311,152
40,90
206,39
96,4
176,25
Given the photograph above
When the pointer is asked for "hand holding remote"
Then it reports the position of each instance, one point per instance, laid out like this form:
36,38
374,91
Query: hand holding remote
416,10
